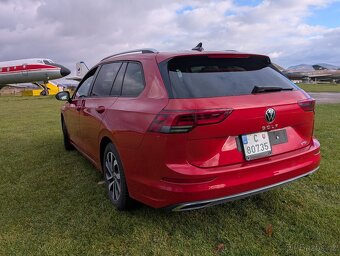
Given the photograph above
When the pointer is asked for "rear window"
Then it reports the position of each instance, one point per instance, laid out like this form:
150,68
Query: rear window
201,77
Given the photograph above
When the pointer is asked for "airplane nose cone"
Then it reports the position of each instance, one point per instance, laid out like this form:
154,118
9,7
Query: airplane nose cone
64,71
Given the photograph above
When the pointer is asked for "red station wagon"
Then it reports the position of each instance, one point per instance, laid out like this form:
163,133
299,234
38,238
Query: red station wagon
187,130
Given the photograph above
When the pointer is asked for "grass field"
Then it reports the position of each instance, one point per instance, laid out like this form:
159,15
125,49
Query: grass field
51,202
320,87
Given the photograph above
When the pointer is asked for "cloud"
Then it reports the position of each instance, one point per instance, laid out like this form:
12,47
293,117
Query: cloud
69,31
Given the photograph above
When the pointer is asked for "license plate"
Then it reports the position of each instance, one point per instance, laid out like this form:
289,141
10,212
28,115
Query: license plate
256,145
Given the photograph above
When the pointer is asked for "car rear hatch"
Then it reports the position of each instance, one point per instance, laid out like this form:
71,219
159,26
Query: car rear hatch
225,110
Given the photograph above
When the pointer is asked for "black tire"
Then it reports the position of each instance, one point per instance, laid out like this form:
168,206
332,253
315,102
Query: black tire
114,178
43,93
67,144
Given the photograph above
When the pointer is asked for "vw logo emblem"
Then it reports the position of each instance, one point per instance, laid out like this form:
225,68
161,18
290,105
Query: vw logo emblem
270,115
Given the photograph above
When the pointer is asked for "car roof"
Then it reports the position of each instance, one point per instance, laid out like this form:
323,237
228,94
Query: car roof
162,56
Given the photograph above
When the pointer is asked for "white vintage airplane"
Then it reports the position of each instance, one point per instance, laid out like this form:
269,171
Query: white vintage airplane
37,71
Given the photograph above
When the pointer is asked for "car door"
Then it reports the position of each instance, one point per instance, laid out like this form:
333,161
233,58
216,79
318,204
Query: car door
131,111
72,111
96,107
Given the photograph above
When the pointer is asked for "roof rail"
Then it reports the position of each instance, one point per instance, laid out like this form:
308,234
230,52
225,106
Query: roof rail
144,50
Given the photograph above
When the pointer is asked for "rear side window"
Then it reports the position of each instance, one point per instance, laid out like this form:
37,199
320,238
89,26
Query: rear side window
201,77
104,81
133,83
117,85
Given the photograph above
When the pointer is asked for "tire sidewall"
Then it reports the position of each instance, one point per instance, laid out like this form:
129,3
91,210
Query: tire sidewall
122,201
67,143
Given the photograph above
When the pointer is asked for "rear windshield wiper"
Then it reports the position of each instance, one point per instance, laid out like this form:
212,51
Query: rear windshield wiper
261,89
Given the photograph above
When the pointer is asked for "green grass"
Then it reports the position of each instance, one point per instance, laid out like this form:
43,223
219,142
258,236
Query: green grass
320,87
51,203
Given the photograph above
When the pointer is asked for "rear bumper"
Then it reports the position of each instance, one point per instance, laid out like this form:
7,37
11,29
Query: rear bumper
191,187
206,203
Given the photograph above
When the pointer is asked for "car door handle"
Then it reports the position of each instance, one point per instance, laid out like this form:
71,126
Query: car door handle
100,109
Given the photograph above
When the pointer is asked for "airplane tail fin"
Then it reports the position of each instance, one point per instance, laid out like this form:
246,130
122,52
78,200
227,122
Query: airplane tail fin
81,69
318,67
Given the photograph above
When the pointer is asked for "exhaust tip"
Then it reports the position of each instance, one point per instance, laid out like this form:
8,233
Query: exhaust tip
189,207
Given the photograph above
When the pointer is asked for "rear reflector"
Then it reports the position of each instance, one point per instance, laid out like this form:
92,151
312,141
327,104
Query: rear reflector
168,121
307,105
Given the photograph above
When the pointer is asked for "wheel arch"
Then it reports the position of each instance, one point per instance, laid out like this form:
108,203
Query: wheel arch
62,121
105,140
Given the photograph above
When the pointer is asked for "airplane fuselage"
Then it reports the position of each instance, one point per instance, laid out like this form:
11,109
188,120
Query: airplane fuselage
325,74
30,71
331,74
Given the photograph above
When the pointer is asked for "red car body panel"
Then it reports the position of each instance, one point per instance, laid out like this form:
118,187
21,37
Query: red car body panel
206,163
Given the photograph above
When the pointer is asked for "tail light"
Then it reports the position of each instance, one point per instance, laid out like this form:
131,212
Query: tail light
168,121
307,105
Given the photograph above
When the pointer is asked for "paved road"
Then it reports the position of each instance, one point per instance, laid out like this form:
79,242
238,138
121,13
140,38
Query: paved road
326,97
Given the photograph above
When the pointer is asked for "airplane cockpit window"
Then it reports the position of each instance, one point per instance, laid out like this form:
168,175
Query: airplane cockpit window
48,61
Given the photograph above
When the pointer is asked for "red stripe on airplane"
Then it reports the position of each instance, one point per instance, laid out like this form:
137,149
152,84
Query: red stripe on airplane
29,70
27,67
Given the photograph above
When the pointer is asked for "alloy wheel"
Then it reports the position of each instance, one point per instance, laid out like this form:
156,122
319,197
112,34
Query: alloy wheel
112,174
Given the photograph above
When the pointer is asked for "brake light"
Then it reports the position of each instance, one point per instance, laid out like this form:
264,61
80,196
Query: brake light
307,105
168,121
227,56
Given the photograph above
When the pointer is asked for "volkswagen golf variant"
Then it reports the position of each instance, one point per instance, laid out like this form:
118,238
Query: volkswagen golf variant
187,130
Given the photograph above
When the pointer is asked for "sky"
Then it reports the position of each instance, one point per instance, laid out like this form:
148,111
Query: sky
289,31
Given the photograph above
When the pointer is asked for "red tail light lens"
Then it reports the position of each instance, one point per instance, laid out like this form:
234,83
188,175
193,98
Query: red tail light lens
307,105
168,121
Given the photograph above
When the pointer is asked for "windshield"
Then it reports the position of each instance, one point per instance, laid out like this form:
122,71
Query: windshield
201,77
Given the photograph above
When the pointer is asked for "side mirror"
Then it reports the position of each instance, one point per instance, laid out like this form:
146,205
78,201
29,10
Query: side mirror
64,96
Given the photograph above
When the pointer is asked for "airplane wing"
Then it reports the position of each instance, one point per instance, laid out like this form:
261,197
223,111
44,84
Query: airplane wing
75,78
319,75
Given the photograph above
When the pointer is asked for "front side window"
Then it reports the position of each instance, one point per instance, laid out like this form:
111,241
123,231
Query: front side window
133,83
84,88
104,81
